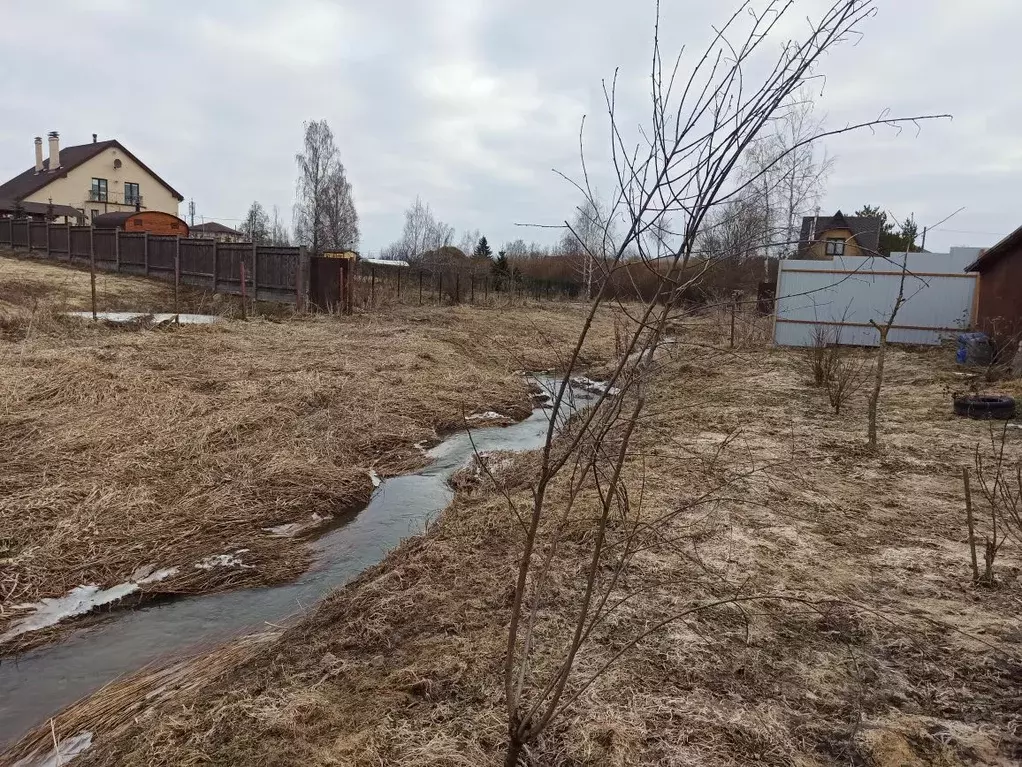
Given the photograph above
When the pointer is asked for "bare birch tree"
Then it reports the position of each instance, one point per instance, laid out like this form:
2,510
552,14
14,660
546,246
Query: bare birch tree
422,233
340,220
279,235
588,241
324,212
792,174
256,226
682,166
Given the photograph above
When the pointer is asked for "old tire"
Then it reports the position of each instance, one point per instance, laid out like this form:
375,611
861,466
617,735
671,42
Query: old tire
985,406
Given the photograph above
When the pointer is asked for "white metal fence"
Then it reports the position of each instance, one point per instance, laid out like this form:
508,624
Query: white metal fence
843,295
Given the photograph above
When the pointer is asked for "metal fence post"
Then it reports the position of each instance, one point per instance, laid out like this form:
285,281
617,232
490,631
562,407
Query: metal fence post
177,277
145,251
92,269
243,297
255,274
117,250
216,267
302,269
67,226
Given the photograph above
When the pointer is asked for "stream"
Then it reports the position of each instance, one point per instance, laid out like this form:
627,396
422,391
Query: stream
36,685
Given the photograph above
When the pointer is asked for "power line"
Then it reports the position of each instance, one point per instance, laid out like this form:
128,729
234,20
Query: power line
966,231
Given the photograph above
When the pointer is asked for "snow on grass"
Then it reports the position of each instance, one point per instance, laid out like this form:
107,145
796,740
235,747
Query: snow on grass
67,750
224,560
375,478
295,528
156,319
596,387
81,600
489,415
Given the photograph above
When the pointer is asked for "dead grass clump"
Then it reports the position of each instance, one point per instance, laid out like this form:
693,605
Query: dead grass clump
403,665
122,449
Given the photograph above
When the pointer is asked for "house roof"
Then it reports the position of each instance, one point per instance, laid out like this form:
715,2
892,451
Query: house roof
997,252
8,205
865,230
212,227
30,182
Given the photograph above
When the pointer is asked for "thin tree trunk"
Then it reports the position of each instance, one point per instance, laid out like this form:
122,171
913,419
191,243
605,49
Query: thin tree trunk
971,524
514,753
874,397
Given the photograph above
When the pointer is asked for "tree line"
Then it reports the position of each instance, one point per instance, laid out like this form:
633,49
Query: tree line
780,180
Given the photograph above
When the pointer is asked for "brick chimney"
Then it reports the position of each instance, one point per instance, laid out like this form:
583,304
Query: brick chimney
38,154
54,150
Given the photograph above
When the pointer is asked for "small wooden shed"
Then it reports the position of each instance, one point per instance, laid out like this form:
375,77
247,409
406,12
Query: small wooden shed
151,221
999,301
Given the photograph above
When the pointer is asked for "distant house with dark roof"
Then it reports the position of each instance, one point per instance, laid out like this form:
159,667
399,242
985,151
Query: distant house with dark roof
92,179
211,230
824,237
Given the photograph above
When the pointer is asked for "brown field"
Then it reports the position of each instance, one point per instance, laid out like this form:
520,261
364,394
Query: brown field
126,447
864,641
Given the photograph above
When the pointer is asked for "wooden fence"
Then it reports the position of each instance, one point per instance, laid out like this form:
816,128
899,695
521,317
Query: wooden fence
263,272
271,273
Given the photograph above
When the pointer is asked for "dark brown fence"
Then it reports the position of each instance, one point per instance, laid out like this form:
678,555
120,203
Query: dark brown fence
274,273
263,272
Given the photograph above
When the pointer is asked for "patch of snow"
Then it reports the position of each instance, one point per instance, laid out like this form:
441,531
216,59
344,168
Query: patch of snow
82,600
224,560
489,415
66,751
382,261
375,478
184,319
294,528
596,387
149,574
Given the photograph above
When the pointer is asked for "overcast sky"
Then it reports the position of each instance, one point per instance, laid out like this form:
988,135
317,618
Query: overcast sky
472,103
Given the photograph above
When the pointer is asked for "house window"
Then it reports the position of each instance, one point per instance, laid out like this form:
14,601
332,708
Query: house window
98,192
835,246
95,212
131,195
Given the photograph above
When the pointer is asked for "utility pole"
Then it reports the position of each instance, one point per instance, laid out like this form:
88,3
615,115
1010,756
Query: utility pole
191,212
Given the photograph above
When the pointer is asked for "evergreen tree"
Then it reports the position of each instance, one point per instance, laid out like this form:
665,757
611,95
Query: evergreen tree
501,268
892,238
483,249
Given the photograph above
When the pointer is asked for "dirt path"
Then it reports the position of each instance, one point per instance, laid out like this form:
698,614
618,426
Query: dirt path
162,458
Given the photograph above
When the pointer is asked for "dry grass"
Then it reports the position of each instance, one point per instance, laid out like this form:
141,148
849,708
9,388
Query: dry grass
126,448
898,662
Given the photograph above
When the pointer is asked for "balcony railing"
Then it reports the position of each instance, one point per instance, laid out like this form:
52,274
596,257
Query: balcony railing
114,198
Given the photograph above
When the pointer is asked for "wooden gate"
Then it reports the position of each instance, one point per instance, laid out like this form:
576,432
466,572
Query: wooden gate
331,285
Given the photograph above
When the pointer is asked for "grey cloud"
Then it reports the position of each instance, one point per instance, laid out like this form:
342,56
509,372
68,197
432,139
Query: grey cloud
471,103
